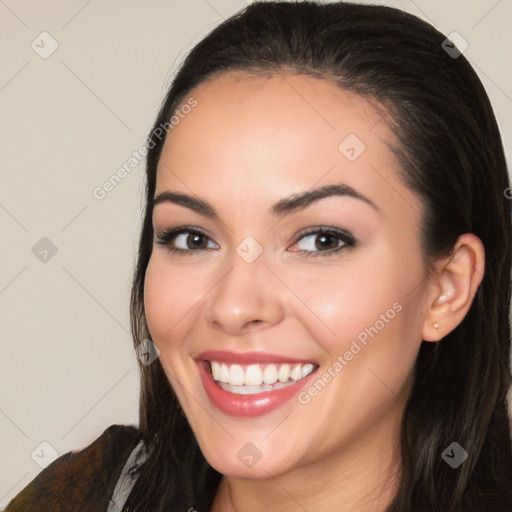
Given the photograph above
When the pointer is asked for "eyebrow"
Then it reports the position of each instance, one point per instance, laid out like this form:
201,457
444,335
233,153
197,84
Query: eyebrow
283,207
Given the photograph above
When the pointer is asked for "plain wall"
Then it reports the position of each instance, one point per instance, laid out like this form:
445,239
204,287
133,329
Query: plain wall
69,121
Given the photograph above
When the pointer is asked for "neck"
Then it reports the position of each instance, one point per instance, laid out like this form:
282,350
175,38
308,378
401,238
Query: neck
360,476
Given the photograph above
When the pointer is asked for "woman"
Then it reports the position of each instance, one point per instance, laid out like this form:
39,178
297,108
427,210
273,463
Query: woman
367,373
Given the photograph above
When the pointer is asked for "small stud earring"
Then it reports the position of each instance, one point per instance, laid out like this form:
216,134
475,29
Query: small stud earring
436,325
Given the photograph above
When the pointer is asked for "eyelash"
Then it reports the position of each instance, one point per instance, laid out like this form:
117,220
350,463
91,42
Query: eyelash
166,237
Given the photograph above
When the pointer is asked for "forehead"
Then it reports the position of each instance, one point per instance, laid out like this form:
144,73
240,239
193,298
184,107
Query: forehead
279,135
288,107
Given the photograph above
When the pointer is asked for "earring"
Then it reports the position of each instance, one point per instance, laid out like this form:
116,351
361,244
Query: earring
435,325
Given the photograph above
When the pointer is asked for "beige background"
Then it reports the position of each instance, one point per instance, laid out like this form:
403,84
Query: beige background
69,121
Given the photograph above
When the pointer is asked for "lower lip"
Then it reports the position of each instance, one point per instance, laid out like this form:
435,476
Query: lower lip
247,406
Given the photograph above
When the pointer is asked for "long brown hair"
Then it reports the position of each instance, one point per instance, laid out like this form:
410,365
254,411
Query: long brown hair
451,154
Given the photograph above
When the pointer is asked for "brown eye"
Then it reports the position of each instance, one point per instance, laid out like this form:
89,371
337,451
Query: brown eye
191,240
325,242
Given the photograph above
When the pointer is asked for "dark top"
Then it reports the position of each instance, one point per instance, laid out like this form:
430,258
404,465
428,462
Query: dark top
82,481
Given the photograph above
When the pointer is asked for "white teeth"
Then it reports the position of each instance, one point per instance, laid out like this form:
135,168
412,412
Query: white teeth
284,373
307,369
253,390
270,374
220,372
224,373
256,378
216,370
236,375
296,372
253,375
245,390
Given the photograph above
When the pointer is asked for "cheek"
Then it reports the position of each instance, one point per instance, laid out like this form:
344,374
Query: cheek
155,300
345,300
165,304
364,300
166,300
172,298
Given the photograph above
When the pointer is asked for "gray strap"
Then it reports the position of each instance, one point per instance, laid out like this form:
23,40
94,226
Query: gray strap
126,481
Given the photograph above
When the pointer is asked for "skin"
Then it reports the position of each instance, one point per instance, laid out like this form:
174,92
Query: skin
248,143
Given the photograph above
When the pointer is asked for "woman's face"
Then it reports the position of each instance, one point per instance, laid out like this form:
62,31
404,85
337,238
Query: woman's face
265,295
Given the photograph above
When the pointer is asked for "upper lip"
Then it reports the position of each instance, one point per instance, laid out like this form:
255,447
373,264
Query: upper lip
225,356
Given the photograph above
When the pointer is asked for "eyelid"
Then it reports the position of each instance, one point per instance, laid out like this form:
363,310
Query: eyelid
165,237
348,239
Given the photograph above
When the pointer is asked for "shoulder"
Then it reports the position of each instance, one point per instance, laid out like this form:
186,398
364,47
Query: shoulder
80,480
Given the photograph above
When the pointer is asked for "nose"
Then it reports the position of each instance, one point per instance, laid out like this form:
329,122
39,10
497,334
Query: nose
247,296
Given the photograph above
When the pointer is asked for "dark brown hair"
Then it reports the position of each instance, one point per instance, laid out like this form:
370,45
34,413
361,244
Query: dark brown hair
450,153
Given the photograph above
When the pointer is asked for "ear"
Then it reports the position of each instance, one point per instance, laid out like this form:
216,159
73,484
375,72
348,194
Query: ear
452,290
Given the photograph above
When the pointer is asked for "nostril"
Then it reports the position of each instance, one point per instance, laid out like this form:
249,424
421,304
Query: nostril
254,322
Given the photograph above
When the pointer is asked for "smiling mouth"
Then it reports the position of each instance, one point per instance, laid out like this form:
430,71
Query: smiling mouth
257,378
